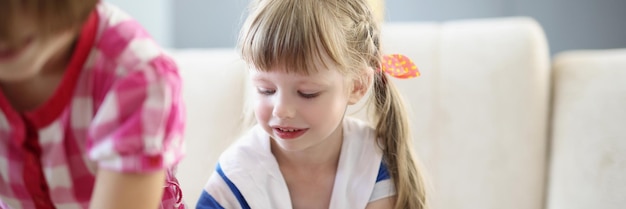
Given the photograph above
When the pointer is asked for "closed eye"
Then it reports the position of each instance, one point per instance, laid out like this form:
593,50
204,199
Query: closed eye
308,96
265,91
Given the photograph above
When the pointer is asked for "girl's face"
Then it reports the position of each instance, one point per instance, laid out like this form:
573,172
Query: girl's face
30,54
302,111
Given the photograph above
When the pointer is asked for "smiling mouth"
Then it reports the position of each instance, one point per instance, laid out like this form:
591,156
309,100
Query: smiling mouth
289,133
287,129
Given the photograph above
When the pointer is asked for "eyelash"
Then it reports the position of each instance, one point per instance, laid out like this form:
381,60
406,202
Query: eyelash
308,96
270,92
265,91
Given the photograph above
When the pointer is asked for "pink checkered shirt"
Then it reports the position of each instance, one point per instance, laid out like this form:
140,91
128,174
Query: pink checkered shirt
118,107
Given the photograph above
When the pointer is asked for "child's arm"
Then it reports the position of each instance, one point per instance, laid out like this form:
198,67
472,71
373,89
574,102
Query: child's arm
136,136
115,190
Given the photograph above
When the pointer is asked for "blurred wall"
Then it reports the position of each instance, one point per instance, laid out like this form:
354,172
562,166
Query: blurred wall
155,15
569,24
578,24
207,23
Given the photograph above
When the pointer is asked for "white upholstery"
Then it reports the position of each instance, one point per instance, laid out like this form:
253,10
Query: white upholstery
588,167
480,109
480,115
213,94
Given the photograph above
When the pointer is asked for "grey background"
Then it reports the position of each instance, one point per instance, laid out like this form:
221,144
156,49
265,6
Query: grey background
569,24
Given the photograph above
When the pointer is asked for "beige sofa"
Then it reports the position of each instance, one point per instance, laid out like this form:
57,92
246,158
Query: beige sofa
494,126
588,138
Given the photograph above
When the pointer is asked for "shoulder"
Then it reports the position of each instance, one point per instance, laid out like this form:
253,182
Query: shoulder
221,192
239,161
354,126
359,134
384,187
125,58
246,153
125,45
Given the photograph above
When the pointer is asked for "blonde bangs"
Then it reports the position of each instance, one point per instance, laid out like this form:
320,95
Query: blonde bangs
297,41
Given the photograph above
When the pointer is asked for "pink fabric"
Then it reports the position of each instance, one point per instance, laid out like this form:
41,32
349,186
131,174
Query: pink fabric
123,112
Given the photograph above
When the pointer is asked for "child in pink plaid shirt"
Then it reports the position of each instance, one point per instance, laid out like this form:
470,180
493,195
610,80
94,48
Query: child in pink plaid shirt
90,109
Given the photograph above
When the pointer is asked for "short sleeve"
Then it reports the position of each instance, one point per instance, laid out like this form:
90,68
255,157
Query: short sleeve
206,201
384,185
220,192
139,125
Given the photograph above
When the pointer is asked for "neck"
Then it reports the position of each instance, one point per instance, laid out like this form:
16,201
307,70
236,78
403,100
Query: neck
58,63
322,156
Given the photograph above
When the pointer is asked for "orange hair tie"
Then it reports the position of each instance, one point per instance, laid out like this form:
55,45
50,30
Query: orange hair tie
399,66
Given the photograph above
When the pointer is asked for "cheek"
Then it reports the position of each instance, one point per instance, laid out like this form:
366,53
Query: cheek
332,108
262,109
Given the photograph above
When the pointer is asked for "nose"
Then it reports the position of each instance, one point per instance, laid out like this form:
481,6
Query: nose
284,108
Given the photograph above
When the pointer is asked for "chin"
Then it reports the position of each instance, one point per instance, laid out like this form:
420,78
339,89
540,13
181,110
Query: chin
287,146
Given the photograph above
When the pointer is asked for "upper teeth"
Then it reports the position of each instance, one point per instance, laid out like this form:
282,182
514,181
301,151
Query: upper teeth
288,130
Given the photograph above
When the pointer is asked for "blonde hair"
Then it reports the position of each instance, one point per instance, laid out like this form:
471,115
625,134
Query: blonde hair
50,16
297,34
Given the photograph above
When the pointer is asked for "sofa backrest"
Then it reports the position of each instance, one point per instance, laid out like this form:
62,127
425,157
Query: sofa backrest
480,109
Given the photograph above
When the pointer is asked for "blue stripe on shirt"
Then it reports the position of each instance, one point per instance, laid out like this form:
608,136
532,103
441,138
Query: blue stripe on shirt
233,188
207,201
383,172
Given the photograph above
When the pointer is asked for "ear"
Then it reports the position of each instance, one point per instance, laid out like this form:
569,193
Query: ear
360,84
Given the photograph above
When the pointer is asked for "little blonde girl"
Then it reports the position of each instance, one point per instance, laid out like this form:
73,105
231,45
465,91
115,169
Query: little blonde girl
309,61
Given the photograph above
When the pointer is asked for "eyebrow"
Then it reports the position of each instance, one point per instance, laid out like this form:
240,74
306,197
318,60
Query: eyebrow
300,82
260,79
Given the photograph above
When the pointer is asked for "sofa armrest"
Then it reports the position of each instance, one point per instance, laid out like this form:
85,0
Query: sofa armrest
588,159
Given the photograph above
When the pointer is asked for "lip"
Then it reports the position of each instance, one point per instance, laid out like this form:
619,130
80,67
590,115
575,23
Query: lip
12,52
293,133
